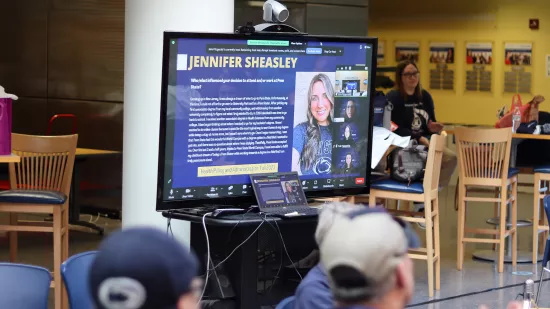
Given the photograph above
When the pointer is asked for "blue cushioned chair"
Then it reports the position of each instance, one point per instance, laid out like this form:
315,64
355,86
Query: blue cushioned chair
41,183
484,161
75,275
546,257
24,286
541,174
427,193
287,303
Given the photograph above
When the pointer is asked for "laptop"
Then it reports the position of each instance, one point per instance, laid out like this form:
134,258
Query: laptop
281,195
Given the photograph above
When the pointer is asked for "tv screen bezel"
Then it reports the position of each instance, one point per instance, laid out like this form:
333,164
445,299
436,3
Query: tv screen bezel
243,201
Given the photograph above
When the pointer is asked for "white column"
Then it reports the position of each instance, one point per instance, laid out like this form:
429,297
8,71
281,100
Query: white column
146,20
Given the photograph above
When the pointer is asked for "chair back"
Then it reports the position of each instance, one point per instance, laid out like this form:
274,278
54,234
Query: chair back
287,303
546,257
483,155
46,162
75,276
24,286
59,116
433,164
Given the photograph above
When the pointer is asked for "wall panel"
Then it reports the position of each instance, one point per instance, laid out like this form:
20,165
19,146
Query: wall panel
86,50
344,20
23,52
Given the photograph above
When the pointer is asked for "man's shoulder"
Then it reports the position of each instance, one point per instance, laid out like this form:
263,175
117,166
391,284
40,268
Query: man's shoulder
313,291
316,275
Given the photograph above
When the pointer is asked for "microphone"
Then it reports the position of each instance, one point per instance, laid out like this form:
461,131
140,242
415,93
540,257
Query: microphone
528,294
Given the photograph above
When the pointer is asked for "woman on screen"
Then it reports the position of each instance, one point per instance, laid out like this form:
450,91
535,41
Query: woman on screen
312,142
348,165
349,115
290,195
348,138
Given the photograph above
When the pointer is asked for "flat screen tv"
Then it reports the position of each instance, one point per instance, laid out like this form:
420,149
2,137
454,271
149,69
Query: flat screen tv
239,104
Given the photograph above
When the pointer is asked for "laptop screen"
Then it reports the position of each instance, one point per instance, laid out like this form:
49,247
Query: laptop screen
278,190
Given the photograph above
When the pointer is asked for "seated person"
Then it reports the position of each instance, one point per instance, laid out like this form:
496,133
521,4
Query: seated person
314,292
414,114
135,268
365,256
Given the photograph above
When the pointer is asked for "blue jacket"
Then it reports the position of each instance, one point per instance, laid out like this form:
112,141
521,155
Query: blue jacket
314,291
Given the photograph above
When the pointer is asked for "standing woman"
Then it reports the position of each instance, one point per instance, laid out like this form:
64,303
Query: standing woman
414,114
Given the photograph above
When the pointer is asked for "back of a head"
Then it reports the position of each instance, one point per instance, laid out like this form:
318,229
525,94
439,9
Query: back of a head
141,268
328,214
361,252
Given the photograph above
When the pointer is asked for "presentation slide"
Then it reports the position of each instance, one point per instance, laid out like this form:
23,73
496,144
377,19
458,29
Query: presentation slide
241,107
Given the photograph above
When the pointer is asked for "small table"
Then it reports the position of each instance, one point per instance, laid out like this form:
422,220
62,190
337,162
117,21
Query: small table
82,154
12,158
242,267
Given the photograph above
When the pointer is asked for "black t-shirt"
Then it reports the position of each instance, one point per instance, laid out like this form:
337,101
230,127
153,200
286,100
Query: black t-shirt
411,115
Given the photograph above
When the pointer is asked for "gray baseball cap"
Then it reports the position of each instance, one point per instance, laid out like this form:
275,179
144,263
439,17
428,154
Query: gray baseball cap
371,243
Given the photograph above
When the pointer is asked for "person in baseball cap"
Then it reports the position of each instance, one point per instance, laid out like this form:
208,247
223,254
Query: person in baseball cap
314,291
144,268
365,255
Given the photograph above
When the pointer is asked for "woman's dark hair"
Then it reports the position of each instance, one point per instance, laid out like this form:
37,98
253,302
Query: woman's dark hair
399,79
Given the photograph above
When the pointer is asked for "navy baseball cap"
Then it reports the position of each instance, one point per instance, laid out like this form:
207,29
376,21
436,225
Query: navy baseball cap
141,268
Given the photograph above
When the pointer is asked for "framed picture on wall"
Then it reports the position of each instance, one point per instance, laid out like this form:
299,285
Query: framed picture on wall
381,52
442,52
407,51
479,53
518,53
479,73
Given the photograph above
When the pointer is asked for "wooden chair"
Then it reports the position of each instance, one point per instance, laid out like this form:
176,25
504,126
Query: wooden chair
542,174
483,160
427,193
41,183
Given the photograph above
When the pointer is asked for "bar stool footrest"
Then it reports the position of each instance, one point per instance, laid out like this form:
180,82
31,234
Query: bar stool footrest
520,223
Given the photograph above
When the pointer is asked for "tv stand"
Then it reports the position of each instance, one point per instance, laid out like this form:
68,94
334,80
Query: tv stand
208,208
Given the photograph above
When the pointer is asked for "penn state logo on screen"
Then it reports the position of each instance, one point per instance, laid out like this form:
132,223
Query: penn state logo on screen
322,165
121,293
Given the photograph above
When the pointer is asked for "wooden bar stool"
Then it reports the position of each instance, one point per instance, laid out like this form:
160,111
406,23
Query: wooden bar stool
41,183
427,193
542,174
483,160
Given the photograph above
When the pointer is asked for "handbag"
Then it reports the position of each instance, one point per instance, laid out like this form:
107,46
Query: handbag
529,112
409,164
5,121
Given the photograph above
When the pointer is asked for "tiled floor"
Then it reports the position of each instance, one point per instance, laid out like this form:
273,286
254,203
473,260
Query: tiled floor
476,277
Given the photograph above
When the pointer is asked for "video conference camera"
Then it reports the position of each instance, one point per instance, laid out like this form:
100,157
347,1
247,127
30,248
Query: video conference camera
275,14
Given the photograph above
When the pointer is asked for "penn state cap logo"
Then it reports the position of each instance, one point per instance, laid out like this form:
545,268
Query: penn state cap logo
121,293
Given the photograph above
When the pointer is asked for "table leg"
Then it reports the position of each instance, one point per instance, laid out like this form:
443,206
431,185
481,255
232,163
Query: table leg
246,285
241,267
74,206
